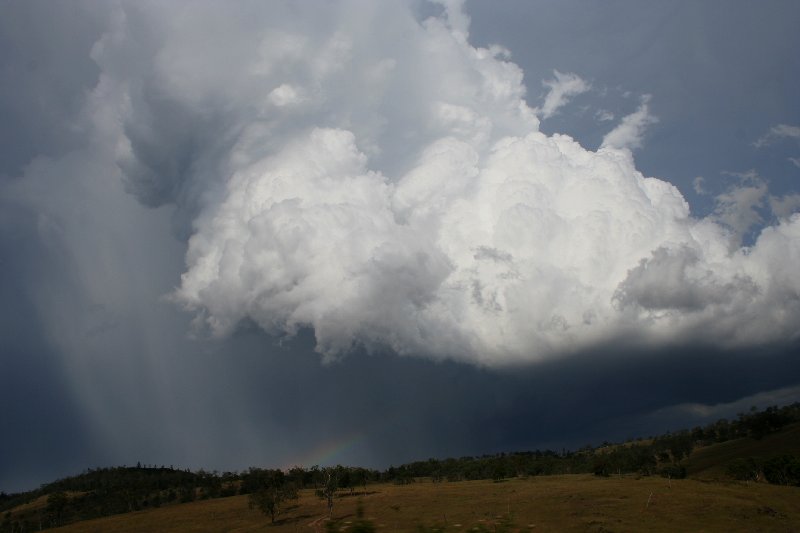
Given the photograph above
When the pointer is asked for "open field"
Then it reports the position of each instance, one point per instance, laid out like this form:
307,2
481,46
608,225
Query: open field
555,503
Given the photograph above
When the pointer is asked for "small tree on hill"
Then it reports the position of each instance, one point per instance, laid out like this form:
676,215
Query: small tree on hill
273,492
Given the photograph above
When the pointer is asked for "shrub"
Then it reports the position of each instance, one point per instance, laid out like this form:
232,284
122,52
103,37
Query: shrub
783,470
673,471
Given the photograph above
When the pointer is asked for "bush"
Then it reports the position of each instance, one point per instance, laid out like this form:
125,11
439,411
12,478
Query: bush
673,471
745,469
783,470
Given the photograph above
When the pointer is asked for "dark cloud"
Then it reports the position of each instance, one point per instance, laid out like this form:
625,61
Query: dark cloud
249,402
670,280
46,73
44,432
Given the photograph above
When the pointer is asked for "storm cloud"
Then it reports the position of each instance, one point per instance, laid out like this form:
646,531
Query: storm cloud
302,232
343,177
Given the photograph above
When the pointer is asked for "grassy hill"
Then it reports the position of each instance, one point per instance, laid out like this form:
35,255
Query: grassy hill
550,503
710,462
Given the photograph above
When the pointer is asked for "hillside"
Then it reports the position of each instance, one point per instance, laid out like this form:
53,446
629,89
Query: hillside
553,503
711,462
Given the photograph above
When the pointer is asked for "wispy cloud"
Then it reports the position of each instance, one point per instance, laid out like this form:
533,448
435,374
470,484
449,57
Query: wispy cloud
698,184
785,206
561,90
603,115
738,207
629,133
776,133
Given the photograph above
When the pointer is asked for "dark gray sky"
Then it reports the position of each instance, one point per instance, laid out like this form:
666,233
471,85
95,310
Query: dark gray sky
244,234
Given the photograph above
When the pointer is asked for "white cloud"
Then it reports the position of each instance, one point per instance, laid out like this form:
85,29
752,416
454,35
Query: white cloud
738,207
783,207
457,18
604,115
698,183
776,133
285,95
561,90
396,192
784,130
629,133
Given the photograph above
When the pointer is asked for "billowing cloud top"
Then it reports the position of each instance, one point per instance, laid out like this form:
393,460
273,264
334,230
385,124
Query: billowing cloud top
351,168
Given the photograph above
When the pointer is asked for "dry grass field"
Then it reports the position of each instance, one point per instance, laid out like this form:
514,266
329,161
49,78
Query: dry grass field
556,503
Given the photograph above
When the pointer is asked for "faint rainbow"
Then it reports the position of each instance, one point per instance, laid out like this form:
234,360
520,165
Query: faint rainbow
326,454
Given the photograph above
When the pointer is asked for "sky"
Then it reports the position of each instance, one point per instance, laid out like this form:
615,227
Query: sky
294,233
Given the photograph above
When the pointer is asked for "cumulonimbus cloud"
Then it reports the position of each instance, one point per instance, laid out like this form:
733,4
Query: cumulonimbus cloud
355,170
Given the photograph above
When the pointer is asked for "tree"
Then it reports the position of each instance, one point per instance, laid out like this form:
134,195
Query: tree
273,491
359,476
56,507
330,482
